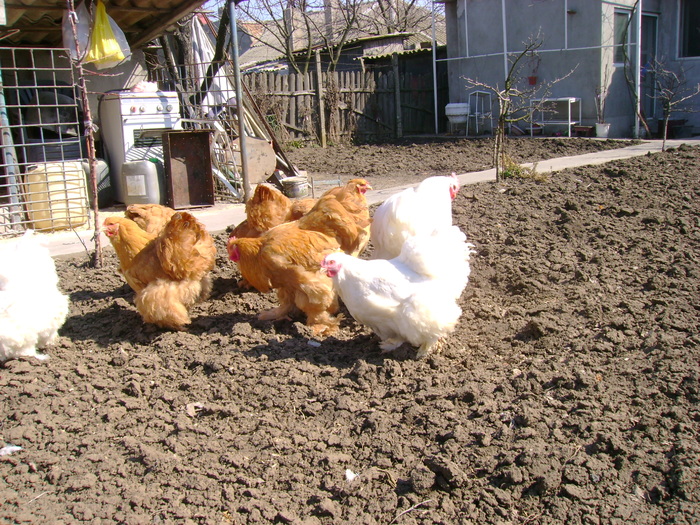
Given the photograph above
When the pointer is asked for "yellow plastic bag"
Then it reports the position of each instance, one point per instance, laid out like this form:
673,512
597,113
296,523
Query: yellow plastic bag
105,49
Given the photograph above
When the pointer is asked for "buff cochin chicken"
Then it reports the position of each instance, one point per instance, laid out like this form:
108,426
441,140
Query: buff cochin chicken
127,239
287,259
151,218
330,217
267,208
352,196
170,273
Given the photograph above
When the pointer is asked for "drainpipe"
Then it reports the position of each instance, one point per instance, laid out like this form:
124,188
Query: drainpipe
638,71
505,40
466,31
566,24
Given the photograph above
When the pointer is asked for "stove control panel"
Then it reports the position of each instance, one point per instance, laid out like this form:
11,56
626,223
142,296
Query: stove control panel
158,103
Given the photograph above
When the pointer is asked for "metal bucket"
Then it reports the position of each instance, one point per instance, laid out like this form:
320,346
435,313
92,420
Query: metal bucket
295,187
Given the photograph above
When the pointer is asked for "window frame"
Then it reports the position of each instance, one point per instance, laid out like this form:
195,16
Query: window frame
627,13
683,29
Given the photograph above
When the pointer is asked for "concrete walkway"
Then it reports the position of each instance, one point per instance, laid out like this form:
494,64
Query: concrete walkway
221,216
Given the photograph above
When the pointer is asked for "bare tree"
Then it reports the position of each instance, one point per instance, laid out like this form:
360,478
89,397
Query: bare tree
672,92
90,128
295,28
397,16
273,21
517,100
340,22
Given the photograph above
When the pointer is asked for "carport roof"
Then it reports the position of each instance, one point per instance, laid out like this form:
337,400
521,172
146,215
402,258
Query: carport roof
37,23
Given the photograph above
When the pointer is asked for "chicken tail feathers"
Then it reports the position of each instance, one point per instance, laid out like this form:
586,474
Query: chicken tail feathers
443,253
427,317
165,303
185,249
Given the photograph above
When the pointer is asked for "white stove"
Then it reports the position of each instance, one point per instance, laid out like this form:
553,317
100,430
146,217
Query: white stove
132,128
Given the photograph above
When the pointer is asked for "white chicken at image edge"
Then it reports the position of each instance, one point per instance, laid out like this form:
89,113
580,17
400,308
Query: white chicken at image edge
410,298
32,308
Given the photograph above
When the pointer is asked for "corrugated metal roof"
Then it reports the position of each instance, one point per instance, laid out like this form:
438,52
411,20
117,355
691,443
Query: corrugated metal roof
404,52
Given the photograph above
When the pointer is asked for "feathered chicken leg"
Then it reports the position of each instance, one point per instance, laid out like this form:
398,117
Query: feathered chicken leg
282,311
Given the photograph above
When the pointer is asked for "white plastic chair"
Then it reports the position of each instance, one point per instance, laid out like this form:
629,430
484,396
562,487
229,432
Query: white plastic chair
481,110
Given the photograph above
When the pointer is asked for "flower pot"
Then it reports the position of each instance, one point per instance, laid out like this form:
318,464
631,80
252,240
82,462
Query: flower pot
602,129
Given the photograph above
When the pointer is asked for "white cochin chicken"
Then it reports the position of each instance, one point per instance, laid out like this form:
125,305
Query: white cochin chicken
32,308
410,298
413,211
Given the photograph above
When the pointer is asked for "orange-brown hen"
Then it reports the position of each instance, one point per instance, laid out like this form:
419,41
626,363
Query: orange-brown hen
351,198
150,217
330,217
171,272
127,238
287,259
267,208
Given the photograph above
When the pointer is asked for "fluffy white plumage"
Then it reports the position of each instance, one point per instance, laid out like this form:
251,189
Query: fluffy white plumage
413,211
32,308
410,298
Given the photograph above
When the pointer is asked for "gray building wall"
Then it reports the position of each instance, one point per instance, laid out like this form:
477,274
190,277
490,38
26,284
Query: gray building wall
575,34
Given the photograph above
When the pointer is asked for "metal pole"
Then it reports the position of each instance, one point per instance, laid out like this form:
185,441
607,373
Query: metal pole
319,97
9,160
247,193
397,94
566,24
466,31
435,90
638,71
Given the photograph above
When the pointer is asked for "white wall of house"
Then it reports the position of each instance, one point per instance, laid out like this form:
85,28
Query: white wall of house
575,34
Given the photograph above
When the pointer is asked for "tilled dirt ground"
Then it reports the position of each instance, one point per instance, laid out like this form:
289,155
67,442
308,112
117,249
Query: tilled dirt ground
411,160
569,392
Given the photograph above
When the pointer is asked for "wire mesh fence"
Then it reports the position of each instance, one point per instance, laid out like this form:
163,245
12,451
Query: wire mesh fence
43,169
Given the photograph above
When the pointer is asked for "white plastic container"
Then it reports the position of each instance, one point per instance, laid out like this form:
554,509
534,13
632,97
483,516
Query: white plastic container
56,195
142,181
457,112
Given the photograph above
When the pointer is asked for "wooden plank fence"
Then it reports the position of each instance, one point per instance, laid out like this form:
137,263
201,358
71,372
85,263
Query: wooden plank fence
357,105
